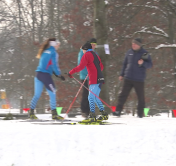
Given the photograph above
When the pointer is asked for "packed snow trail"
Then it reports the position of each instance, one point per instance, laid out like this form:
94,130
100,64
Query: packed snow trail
136,142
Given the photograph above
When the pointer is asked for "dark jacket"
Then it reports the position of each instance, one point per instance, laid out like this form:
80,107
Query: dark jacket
92,62
131,69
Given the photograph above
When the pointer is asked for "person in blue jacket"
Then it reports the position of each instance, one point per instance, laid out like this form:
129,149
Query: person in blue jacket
85,109
48,65
136,61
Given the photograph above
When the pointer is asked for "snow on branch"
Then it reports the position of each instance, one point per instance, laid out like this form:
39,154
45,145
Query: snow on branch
160,30
145,6
154,7
165,45
145,30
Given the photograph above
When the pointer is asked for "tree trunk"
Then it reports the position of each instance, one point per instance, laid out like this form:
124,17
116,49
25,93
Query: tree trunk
171,32
100,33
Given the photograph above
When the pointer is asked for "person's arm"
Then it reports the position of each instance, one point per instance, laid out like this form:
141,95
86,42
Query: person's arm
55,65
101,65
147,63
81,66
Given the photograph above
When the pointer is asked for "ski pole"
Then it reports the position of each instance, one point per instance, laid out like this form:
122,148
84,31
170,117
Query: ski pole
75,97
93,93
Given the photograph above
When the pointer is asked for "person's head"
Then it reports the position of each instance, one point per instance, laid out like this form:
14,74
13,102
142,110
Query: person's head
86,46
93,42
136,44
46,44
55,43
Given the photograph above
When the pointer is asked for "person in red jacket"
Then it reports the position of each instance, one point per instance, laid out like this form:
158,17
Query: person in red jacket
92,62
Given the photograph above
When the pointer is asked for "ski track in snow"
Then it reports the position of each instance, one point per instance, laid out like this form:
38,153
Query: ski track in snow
149,141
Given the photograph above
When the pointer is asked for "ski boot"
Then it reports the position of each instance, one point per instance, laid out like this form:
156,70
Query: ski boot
104,116
55,116
31,114
90,118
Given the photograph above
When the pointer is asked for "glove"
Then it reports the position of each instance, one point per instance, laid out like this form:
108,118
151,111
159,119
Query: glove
145,56
62,78
70,75
55,74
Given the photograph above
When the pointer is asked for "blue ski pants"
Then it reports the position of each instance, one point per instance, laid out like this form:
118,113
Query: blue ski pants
44,79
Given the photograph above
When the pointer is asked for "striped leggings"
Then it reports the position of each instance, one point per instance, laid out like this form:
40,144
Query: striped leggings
95,88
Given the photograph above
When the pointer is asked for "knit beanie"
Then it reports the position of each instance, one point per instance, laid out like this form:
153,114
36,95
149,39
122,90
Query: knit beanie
93,40
137,41
87,46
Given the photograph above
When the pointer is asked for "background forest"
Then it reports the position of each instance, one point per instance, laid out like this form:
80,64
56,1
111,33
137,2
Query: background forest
25,24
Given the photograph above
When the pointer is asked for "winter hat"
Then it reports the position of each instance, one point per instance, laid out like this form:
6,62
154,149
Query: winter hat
87,46
54,43
93,40
137,41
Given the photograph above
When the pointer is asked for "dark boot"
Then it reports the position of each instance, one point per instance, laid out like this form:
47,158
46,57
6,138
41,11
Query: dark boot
117,113
104,116
31,114
55,116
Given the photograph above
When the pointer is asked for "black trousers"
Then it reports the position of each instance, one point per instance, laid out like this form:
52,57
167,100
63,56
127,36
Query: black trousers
139,89
84,101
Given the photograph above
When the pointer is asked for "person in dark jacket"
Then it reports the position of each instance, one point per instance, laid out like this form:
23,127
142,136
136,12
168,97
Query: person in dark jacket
85,109
136,61
92,62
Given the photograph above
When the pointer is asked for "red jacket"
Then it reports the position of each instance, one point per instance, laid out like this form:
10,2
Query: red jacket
94,67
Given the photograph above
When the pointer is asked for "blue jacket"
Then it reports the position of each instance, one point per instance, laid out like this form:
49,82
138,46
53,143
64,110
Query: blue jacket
83,73
131,69
49,62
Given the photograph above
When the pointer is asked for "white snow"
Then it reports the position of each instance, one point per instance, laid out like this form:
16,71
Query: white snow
129,4
165,45
13,111
149,141
160,30
110,29
10,73
106,2
145,30
86,23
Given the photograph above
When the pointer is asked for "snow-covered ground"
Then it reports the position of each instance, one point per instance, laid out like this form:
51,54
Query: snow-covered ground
150,141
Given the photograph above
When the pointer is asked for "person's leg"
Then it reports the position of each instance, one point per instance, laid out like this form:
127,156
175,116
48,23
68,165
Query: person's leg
139,88
97,100
104,114
38,88
50,87
127,86
84,101
52,96
91,98
47,80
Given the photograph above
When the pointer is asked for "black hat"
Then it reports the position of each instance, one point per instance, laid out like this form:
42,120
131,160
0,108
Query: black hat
137,41
93,40
87,46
